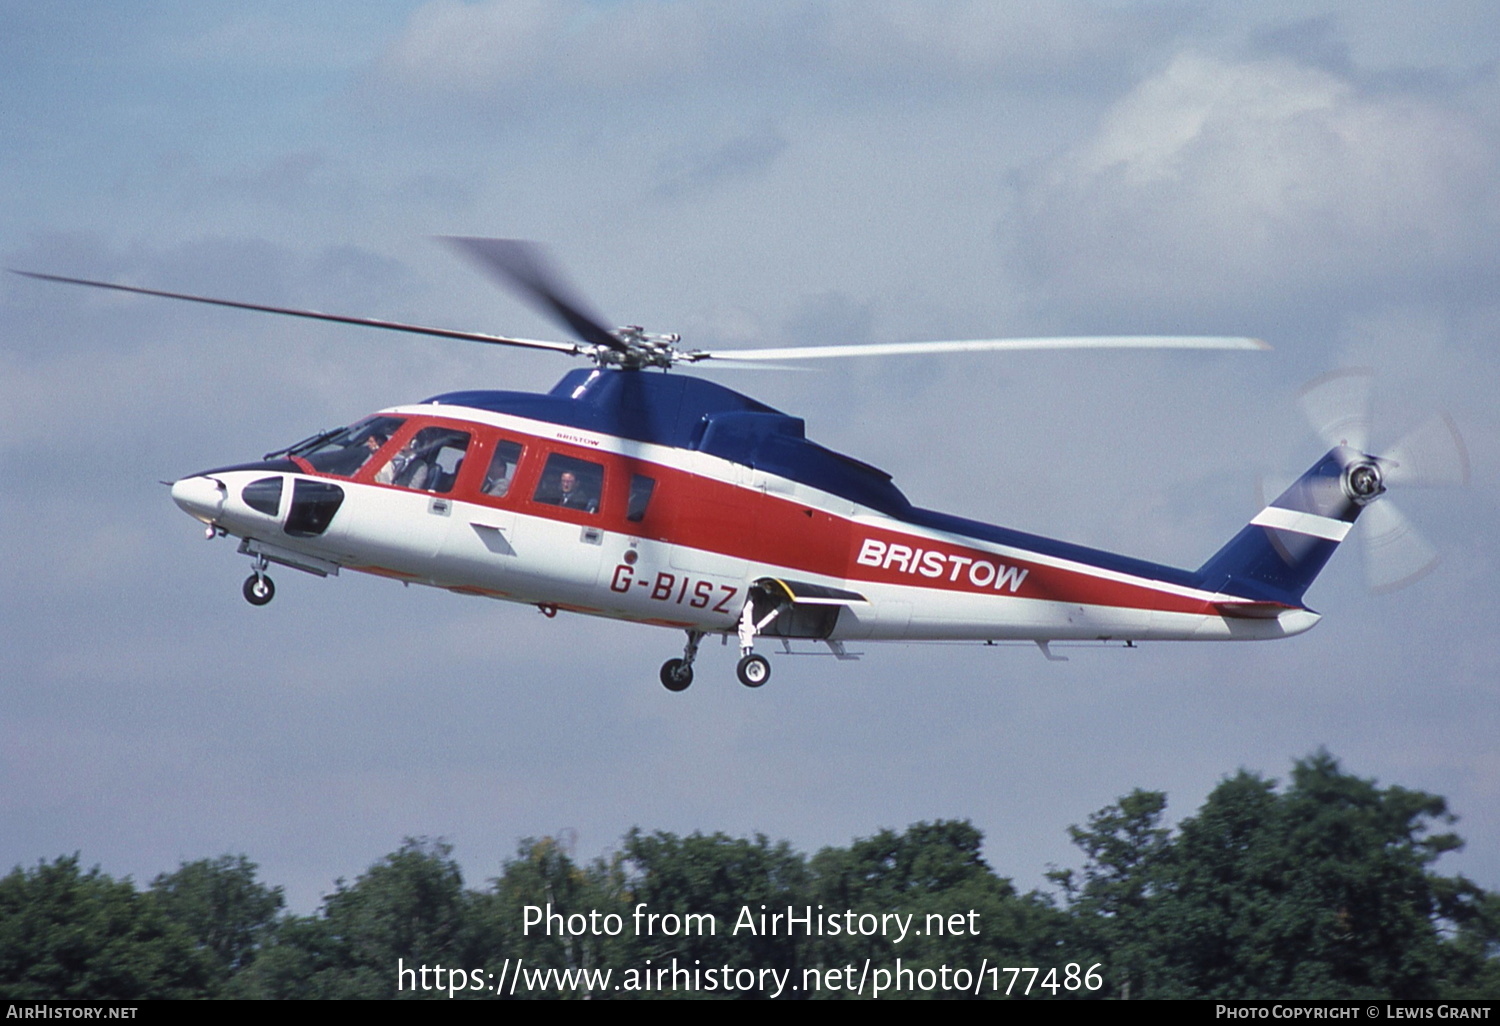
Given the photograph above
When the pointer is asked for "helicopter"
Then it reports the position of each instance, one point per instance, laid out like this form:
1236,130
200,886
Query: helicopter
633,491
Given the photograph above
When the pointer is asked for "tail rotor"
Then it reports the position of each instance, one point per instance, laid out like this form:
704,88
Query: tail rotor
1431,455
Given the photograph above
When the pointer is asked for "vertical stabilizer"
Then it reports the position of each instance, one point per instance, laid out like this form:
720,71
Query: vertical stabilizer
1278,554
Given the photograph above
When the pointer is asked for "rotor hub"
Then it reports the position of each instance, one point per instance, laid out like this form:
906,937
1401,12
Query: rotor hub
639,348
1363,482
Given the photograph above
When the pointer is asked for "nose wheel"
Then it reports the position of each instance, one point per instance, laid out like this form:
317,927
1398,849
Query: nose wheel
259,589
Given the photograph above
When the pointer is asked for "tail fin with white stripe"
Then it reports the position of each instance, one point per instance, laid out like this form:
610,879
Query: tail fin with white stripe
1278,554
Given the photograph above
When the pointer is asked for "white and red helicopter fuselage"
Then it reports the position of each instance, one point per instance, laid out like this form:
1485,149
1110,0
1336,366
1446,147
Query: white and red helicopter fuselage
694,507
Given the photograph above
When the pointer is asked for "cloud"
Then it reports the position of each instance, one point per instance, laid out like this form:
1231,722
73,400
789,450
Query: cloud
511,55
1225,182
975,39
450,46
745,155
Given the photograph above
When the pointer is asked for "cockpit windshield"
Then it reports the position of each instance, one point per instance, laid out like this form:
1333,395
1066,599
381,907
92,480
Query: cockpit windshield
345,451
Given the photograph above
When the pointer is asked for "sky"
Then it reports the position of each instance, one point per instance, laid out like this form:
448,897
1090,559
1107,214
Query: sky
1324,176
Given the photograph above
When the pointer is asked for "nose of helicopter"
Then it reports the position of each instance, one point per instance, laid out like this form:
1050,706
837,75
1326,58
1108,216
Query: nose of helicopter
200,497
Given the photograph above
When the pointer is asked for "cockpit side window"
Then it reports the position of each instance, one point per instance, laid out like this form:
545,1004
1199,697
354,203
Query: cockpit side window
428,462
502,468
344,452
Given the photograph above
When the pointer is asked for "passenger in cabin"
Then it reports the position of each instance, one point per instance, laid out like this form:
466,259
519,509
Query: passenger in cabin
497,483
574,497
502,468
571,483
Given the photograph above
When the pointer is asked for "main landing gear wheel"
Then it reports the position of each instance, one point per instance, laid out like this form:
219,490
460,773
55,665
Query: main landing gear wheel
258,589
676,675
753,671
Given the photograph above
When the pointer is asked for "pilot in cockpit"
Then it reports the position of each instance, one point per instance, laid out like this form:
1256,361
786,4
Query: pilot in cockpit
405,469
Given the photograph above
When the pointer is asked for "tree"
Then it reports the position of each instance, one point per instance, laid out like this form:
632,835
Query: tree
1324,890
1114,904
544,877
1320,892
67,934
718,876
931,869
408,909
221,904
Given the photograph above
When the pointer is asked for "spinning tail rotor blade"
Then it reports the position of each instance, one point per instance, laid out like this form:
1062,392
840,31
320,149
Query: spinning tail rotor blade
1337,405
1431,455
1395,554
523,268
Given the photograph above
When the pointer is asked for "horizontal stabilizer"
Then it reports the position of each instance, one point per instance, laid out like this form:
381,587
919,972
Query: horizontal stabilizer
1251,610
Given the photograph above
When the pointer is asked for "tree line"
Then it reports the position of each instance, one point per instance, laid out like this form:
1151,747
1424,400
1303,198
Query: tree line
1323,887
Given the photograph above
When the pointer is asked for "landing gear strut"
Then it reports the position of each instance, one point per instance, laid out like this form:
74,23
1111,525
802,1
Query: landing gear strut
677,674
258,587
753,670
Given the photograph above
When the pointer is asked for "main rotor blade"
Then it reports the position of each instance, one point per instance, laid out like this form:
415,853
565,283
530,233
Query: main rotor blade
523,268
365,322
726,363
985,345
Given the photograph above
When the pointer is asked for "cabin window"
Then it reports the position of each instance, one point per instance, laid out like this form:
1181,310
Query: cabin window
641,488
571,483
345,452
502,468
428,462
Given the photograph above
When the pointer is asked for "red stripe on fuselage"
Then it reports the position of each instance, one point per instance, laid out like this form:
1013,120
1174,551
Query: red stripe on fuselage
741,522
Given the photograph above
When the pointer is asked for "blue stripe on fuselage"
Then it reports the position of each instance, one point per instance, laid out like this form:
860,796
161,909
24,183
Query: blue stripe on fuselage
689,413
